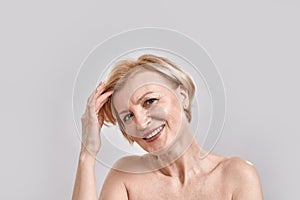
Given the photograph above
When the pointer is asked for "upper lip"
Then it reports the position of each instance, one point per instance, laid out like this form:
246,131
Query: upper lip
149,132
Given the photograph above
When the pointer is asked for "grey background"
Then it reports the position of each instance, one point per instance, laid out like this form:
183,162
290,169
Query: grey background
255,45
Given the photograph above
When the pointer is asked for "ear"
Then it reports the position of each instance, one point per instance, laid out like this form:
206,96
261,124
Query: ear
184,96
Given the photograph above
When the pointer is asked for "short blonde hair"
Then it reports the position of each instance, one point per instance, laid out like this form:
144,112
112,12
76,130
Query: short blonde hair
124,68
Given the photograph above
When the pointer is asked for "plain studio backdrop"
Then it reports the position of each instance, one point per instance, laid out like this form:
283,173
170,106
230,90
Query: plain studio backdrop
255,45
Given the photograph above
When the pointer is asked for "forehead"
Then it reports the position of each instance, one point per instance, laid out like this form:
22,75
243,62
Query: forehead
139,83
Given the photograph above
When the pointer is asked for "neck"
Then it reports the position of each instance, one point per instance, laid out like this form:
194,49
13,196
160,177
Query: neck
181,159
186,165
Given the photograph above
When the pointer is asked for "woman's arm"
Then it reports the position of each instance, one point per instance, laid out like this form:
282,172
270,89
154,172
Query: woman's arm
92,121
85,183
114,187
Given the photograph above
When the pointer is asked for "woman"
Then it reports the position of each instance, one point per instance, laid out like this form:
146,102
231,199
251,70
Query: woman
150,99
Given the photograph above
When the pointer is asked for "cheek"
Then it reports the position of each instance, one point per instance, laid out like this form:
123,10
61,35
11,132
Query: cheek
174,112
174,107
166,109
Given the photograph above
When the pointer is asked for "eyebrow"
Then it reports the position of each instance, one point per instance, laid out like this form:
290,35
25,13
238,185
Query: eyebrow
150,92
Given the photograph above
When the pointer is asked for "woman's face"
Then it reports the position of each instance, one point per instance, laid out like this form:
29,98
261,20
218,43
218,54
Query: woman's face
151,109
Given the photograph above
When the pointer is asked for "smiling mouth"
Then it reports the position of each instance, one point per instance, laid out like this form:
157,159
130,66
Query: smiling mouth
154,134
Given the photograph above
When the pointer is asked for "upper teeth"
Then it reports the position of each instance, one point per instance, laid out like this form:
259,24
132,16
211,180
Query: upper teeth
154,132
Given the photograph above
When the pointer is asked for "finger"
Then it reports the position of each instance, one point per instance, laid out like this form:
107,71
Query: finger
102,100
100,88
98,108
90,104
91,96
101,117
96,93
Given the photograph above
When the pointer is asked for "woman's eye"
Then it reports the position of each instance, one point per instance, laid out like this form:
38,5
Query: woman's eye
127,117
150,101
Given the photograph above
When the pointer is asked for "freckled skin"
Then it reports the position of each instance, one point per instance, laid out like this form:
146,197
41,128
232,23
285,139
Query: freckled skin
180,172
189,177
210,184
166,110
214,177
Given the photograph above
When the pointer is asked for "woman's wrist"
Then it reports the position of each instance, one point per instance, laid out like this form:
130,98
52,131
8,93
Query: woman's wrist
86,156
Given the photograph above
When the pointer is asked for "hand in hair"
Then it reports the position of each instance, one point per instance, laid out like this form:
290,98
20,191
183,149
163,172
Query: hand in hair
92,120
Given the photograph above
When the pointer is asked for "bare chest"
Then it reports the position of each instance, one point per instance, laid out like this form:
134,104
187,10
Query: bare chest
154,188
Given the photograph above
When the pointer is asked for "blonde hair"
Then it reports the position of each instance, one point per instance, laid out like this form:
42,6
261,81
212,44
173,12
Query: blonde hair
124,68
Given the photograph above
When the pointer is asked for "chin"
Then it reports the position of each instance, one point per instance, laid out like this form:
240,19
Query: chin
158,142
156,148
152,148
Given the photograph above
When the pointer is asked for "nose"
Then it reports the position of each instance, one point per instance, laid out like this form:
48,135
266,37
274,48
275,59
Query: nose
142,119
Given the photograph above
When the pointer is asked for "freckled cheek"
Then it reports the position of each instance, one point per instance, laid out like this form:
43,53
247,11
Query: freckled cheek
174,106
166,109
174,120
174,113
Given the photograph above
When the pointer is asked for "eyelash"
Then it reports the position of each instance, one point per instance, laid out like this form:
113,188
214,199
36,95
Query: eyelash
149,101
126,118
146,103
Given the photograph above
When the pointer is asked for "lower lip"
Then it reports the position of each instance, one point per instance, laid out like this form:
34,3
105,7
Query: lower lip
155,137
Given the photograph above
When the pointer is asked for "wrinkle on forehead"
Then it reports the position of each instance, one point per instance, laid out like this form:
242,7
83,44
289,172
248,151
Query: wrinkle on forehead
142,91
137,84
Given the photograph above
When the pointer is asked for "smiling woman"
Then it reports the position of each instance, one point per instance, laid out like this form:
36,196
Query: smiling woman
150,100
161,68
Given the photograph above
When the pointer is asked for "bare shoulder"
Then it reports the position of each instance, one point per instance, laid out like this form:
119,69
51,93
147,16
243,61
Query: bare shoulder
238,169
242,176
122,169
114,186
129,165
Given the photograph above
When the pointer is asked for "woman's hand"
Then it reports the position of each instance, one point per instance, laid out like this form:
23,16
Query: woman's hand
92,120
